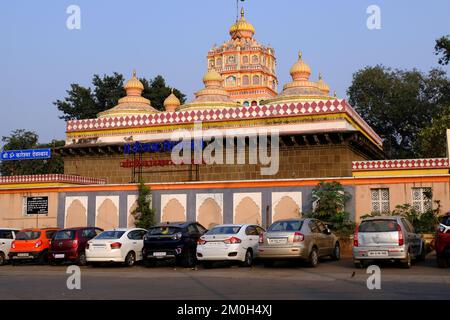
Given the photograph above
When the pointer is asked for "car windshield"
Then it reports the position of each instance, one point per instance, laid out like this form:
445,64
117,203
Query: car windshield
163,230
65,235
378,226
110,235
286,226
446,220
224,230
28,235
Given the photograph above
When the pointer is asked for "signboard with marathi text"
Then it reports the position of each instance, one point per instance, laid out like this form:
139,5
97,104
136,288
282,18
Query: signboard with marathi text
36,205
29,154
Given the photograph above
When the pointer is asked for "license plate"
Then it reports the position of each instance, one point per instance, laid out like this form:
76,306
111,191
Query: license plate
59,256
23,254
277,240
378,253
214,243
159,254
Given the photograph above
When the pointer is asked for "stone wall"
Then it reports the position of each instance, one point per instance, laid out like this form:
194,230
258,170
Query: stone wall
294,162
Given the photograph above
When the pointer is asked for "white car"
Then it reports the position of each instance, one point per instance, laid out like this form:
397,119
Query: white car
118,245
7,235
235,242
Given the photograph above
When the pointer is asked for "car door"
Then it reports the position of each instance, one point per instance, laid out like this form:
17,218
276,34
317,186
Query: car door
6,238
317,237
138,242
252,238
328,239
414,239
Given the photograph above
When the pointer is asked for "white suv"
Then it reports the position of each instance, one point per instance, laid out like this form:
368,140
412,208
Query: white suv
7,236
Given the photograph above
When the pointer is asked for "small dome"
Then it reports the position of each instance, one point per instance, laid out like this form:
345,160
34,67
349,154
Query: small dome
242,28
300,70
134,83
212,75
171,102
322,85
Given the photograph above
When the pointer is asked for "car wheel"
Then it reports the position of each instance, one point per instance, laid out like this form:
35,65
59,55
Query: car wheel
406,264
248,260
43,259
81,261
336,255
441,261
130,259
187,260
313,260
2,259
268,264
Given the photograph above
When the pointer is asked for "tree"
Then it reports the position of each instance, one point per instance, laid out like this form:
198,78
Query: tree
443,47
144,214
22,139
86,103
432,140
399,104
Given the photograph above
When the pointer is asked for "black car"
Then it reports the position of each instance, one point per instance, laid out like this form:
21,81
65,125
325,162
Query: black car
174,240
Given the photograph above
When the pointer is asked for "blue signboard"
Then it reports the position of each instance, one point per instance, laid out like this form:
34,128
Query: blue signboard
30,154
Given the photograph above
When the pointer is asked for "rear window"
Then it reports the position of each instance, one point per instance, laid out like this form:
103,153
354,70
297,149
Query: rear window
110,235
224,230
163,230
378,226
65,235
446,220
286,226
28,235
6,234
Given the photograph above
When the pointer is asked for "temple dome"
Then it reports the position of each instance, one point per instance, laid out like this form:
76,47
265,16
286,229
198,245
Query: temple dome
171,102
242,28
212,76
300,70
322,85
134,83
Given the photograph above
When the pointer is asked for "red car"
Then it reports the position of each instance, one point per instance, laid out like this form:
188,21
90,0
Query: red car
442,242
70,244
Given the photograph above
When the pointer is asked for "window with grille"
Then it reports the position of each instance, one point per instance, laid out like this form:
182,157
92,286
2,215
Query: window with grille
422,199
380,200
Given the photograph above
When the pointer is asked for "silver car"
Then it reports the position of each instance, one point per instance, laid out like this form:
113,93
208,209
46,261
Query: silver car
387,238
303,239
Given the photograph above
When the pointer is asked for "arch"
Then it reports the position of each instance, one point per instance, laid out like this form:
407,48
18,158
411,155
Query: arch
107,216
254,103
286,208
219,62
173,211
255,79
245,80
255,59
131,220
209,213
76,215
247,211
246,103
245,59
231,80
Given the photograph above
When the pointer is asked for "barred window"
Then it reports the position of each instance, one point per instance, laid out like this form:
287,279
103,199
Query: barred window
380,200
422,199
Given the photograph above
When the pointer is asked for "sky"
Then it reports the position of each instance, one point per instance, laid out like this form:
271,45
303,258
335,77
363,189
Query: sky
40,57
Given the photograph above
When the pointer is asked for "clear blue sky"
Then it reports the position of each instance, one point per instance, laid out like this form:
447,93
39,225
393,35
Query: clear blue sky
40,57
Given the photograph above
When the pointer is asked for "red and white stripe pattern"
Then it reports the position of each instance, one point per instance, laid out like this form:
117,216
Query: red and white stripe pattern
43,178
401,164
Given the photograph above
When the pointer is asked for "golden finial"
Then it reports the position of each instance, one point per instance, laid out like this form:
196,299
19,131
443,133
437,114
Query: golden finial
134,73
335,94
242,12
320,75
300,55
171,90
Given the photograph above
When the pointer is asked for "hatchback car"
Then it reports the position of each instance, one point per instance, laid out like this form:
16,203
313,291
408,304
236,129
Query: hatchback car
31,245
175,240
7,236
229,242
387,238
69,245
303,239
442,242
119,245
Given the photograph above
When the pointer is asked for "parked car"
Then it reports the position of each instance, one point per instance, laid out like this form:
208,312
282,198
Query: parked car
442,242
69,244
119,245
176,240
387,238
7,236
31,245
303,239
235,242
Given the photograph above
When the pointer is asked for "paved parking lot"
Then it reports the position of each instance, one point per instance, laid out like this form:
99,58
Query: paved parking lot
330,280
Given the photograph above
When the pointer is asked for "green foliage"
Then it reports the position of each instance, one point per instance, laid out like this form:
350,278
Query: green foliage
86,103
399,105
144,214
22,139
432,140
443,47
330,199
